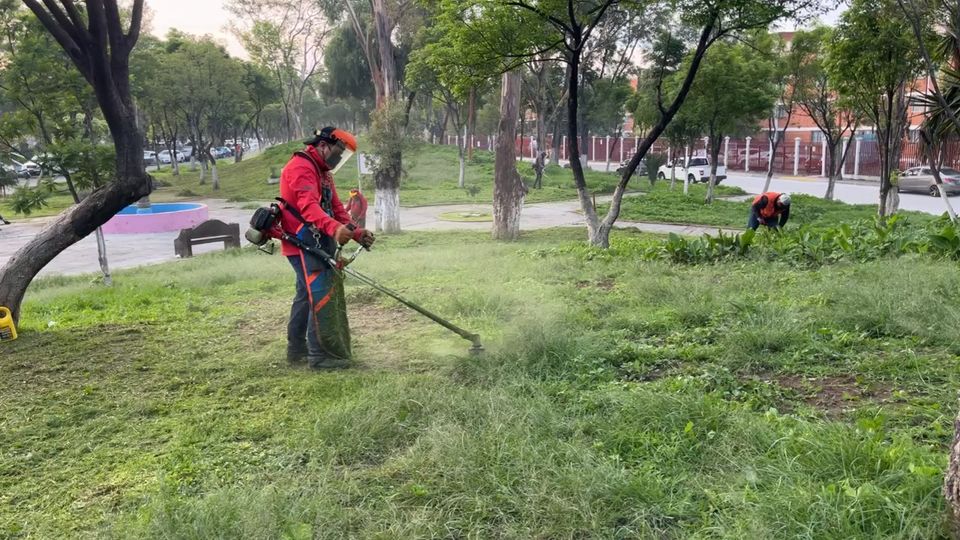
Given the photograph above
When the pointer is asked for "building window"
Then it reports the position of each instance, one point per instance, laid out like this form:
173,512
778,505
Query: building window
817,137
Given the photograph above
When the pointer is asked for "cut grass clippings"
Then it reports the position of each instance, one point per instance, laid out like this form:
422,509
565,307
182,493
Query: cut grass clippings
617,399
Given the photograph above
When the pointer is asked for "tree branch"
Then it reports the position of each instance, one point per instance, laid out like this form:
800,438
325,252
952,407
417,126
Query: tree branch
560,25
63,37
135,22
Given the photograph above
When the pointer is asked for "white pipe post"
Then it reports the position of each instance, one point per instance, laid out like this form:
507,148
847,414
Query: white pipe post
593,146
746,167
563,148
823,157
856,158
706,146
726,150
606,151
796,156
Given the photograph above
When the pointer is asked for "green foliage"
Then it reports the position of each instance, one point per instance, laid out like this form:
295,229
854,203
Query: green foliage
733,90
390,139
26,200
805,246
654,162
664,205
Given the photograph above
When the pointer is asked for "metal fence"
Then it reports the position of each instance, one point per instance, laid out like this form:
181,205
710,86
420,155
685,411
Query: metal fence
793,157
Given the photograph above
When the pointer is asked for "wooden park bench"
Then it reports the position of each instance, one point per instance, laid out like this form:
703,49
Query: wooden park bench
209,231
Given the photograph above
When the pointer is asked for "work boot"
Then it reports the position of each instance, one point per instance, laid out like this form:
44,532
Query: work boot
326,362
296,355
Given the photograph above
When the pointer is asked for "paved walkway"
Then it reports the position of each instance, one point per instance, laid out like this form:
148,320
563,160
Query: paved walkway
127,251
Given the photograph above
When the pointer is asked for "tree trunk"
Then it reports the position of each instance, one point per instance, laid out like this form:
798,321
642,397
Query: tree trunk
80,220
951,484
595,234
388,66
102,257
555,143
461,179
387,209
387,192
774,144
471,121
508,188
214,174
935,159
832,166
715,142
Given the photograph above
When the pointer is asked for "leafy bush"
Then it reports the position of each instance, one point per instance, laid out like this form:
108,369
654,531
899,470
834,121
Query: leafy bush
654,162
806,246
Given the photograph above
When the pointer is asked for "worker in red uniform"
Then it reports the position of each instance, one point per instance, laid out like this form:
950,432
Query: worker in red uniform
770,209
318,330
357,208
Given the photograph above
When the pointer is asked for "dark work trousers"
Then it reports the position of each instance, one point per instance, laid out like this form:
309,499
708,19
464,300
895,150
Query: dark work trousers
754,221
300,338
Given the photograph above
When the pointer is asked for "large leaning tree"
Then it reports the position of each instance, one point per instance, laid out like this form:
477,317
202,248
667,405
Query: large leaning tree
99,46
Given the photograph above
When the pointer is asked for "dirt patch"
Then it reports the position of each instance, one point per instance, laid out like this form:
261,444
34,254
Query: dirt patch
379,336
835,395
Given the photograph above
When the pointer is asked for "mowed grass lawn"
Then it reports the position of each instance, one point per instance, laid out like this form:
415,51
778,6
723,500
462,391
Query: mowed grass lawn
616,399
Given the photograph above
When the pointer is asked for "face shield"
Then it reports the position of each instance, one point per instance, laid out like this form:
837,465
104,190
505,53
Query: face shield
338,160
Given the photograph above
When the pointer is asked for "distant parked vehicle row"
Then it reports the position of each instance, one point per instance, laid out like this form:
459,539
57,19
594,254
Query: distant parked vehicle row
184,153
165,157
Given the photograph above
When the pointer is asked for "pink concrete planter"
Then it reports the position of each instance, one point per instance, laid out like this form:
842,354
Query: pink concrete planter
160,217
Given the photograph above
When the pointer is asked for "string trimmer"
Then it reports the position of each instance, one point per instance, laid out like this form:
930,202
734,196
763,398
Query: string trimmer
260,240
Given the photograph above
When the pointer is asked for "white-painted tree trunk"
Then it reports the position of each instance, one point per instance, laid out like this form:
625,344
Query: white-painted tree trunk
387,210
946,203
215,176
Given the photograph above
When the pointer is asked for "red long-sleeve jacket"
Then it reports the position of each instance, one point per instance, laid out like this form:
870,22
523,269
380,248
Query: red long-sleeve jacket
300,186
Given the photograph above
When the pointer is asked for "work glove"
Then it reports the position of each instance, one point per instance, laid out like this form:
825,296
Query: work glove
342,235
364,237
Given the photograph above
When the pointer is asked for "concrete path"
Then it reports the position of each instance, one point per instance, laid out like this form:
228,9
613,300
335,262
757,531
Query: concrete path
127,251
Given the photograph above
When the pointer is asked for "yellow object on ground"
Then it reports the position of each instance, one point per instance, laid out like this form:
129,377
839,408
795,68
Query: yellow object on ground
8,332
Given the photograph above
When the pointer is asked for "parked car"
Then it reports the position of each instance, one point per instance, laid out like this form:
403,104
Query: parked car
186,152
12,170
920,179
640,171
221,152
164,157
697,169
27,169
149,158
